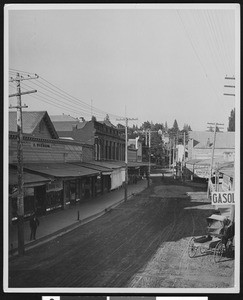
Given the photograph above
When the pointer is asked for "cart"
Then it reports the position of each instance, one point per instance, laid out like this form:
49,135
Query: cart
219,241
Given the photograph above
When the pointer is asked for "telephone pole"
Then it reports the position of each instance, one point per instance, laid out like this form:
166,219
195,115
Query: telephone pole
20,198
212,157
126,156
229,86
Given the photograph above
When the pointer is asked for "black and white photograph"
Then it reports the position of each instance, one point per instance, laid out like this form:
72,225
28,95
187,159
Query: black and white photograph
121,149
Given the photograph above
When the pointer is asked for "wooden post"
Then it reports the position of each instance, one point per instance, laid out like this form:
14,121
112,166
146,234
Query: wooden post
20,199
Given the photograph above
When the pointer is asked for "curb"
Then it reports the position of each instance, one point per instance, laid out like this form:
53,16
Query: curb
30,245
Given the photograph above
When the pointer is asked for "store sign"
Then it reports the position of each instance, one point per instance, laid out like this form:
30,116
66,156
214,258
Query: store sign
202,171
40,145
223,198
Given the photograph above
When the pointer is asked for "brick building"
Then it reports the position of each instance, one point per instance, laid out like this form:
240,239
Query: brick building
108,142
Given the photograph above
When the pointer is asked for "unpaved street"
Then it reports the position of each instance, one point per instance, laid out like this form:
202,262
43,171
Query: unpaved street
140,243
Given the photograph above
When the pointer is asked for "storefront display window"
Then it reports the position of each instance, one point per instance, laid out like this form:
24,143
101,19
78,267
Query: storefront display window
54,195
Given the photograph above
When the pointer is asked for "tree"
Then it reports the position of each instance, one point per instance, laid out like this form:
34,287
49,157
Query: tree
175,126
93,118
231,126
146,125
166,126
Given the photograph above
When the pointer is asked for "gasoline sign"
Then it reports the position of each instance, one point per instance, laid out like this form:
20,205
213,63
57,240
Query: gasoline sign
223,198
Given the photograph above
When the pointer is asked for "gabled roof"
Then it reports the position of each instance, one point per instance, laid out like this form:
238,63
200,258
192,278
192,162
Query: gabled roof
204,139
63,118
65,123
31,119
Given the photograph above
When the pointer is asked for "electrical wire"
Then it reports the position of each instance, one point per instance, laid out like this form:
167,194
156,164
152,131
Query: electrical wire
75,101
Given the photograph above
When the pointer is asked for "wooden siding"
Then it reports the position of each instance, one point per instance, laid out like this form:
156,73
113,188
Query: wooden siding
42,131
39,151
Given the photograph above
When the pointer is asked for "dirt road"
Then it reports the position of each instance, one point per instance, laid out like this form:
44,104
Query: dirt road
141,243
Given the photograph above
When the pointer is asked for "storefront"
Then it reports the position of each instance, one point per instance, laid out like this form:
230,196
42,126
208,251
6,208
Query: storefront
115,171
54,195
70,184
102,182
34,193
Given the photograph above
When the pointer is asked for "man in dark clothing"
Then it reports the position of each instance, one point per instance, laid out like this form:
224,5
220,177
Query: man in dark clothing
34,223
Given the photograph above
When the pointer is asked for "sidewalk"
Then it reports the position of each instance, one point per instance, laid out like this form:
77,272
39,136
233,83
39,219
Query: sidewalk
60,222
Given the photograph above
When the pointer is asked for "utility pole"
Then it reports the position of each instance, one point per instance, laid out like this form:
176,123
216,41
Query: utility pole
212,157
183,161
170,155
229,86
149,131
149,167
20,198
126,156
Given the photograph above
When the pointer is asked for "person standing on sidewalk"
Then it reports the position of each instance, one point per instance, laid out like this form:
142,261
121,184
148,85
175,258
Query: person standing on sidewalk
34,223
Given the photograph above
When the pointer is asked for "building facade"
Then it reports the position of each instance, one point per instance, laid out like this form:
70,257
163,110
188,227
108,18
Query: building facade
57,172
107,140
200,149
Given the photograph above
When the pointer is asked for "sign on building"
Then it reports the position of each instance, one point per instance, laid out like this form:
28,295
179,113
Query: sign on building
223,198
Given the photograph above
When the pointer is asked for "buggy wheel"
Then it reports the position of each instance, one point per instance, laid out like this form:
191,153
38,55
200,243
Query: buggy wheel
219,251
192,249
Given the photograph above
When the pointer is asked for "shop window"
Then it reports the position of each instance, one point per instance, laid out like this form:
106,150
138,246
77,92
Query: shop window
54,195
29,201
72,191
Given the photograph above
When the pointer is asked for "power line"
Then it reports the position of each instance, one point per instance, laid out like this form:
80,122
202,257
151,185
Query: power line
56,90
20,71
63,104
79,99
51,102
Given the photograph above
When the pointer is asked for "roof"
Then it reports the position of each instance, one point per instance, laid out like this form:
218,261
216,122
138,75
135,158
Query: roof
29,179
66,123
63,118
108,164
104,170
31,120
133,163
217,217
193,161
227,169
139,164
60,169
107,123
204,139
205,162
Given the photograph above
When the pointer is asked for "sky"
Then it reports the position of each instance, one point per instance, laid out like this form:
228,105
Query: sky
151,63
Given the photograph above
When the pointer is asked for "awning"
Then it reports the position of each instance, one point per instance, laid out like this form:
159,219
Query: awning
30,180
103,170
205,162
134,164
60,170
227,169
216,217
193,161
106,164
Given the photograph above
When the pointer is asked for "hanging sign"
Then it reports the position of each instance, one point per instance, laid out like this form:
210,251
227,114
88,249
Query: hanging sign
223,198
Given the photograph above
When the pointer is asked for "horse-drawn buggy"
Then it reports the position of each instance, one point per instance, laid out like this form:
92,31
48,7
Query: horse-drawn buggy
218,241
